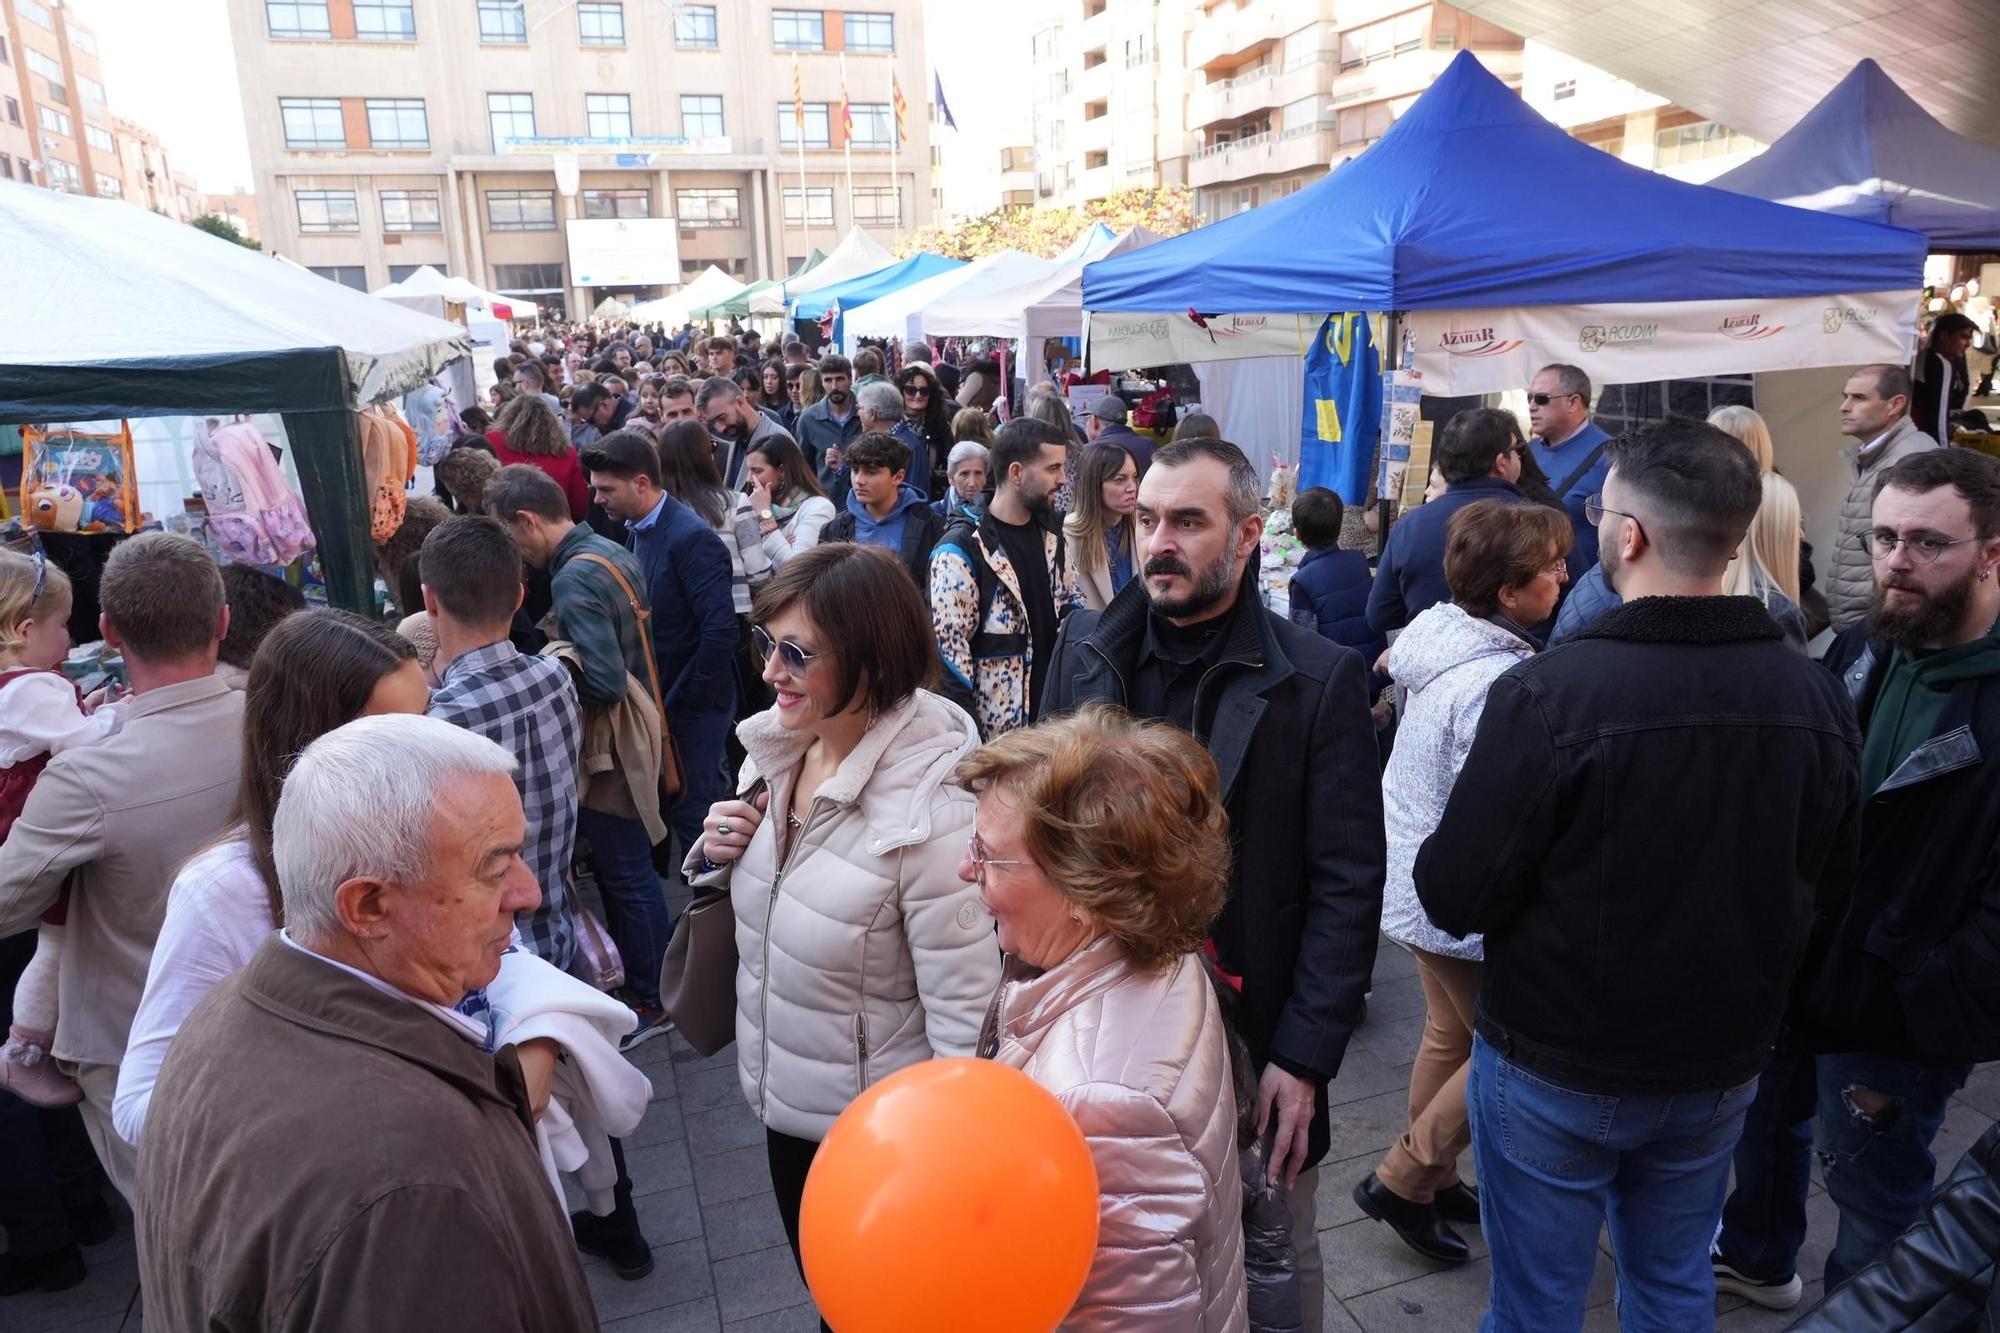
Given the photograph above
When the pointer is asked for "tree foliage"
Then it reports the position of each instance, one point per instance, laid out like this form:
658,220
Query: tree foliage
217,225
1044,232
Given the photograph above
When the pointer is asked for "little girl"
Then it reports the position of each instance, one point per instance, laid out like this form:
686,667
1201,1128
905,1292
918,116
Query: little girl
41,714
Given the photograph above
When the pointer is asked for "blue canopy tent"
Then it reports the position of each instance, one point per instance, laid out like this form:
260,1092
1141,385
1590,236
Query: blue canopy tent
1450,212
872,286
1869,151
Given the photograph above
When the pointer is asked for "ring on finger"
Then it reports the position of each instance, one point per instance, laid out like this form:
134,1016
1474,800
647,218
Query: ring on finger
722,827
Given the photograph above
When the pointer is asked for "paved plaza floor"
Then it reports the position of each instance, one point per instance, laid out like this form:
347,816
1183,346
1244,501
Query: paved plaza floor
704,1199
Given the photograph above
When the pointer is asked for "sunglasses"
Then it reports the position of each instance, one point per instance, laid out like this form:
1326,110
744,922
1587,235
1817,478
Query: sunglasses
916,391
1544,399
795,660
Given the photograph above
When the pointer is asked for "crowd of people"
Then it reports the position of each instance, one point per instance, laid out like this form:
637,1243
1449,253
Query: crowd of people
983,725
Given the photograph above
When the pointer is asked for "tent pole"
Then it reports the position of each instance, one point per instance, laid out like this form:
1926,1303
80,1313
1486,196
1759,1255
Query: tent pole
326,449
1385,505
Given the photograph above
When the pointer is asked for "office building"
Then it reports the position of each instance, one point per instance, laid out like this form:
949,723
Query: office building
1108,97
578,151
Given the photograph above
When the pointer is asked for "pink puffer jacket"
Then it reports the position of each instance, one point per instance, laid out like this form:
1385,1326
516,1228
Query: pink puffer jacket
1141,1062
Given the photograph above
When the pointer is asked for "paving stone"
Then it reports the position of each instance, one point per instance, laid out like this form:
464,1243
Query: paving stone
1367,1125
723,1128
742,1226
688,1317
1749,1318
759,1283
1396,997
662,1166
1363,1073
1453,1298
1394,1039
680,1274
706,1089
1392,960
664,1123
666,1216
1982,1091
798,1319
733,1175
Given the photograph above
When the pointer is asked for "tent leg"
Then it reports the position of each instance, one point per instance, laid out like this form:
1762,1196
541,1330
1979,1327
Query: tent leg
326,449
1392,340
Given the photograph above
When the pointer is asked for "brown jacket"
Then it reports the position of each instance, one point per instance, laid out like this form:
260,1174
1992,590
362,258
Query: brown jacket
323,1156
619,769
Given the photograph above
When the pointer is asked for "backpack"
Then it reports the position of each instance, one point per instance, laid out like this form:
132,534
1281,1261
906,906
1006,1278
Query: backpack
253,514
963,533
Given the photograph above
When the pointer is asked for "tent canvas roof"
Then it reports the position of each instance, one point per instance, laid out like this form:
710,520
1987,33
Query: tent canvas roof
428,281
1091,243
1867,150
900,313
675,309
1046,306
870,286
1450,211
122,312
857,254
739,304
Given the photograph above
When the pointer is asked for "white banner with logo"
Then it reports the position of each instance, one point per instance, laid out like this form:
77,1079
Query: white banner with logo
1480,351
1120,340
624,252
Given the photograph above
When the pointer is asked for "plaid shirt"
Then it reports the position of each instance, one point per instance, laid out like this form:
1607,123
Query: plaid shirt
528,707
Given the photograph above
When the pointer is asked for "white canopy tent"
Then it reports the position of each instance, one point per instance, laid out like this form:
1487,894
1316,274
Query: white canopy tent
428,281
673,310
1046,306
900,314
857,255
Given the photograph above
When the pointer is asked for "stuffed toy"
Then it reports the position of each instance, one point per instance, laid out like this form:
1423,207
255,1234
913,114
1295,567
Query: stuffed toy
55,508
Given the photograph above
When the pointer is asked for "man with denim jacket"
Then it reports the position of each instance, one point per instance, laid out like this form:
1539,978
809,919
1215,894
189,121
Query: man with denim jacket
1652,821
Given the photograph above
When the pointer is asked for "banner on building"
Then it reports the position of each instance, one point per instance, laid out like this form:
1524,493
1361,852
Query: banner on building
1341,418
624,252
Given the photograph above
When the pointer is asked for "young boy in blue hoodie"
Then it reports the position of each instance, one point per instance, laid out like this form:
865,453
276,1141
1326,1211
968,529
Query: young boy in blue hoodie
883,510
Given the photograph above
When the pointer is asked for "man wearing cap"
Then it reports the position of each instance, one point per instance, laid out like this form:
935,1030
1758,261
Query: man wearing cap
1107,422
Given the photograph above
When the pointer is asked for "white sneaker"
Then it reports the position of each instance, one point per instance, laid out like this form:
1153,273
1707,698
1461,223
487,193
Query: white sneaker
1771,1293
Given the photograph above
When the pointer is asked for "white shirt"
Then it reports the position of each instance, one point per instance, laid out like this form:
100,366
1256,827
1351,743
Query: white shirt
472,1029
39,715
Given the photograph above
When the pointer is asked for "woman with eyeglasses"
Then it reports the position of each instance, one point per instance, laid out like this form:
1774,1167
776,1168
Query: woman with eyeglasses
927,411
860,950
1505,564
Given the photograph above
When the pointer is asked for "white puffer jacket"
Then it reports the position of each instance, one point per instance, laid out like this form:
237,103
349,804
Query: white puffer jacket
865,952
1447,660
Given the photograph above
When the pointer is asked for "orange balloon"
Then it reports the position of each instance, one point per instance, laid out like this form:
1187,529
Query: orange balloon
953,1195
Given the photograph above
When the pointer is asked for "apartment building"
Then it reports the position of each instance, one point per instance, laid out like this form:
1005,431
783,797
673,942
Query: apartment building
1108,97
55,128
572,151
1628,122
239,210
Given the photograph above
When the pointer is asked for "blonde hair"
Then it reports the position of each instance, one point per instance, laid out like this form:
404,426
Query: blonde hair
18,602
1772,544
1746,425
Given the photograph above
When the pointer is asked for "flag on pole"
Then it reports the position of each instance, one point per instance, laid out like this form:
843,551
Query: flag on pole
902,108
798,99
937,94
846,107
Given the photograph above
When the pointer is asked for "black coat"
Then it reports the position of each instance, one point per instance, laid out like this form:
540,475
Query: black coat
1652,819
1286,720
1939,1275
922,526
1914,964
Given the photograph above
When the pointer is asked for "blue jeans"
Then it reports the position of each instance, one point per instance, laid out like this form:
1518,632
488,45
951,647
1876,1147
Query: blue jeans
1764,1222
1879,1169
1556,1162
701,739
635,908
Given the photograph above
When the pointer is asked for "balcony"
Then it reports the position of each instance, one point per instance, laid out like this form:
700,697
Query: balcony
1095,133
1271,154
1233,98
1225,37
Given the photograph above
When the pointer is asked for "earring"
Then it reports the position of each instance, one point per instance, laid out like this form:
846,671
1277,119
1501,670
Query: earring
1076,916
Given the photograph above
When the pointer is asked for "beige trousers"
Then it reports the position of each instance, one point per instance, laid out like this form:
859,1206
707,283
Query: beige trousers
1425,1159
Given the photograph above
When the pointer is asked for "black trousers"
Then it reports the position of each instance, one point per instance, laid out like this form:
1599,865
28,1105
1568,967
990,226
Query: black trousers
791,1159
47,1166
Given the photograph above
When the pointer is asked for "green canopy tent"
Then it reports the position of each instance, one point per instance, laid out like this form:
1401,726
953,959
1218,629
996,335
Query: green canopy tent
118,312
738,306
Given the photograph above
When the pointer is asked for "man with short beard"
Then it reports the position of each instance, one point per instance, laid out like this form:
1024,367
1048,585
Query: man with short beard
826,427
735,424
1905,998
1284,712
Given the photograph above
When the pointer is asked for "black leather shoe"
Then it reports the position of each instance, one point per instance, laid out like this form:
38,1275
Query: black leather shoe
615,1238
57,1271
1417,1224
1459,1203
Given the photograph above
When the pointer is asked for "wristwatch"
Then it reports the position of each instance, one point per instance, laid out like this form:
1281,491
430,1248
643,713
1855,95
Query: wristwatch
765,514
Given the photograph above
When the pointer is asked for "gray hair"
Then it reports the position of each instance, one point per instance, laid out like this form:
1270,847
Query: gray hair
966,451
880,399
716,386
1244,496
917,351
362,803
1572,380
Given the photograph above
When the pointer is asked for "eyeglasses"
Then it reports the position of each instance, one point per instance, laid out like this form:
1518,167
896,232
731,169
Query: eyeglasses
1594,510
1923,548
1544,399
795,660
976,853
916,391
1559,570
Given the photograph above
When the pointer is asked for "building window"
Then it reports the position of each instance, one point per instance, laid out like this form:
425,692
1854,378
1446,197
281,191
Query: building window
521,210
814,210
34,13
347,275
52,120
1696,142
110,187
504,21
818,126
323,211
694,25
875,206
47,68
411,210
600,24
510,116
92,90
617,204
871,34
701,117
798,29
3,58
528,279
384,21
13,111
607,115
312,122
1565,89
874,125
708,208
403,272
99,139
63,175
284,18
82,40
398,122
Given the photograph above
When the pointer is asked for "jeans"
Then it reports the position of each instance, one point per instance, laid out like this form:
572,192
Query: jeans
1878,1168
47,1167
635,908
1556,1162
1764,1222
700,737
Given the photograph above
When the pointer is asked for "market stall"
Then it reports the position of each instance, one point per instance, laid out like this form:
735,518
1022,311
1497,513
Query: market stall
428,281
873,286
677,308
1046,306
118,313
857,255
738,306
900,314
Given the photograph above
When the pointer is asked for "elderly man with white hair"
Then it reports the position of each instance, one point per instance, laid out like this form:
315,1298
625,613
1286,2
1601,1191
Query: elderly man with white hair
332,1143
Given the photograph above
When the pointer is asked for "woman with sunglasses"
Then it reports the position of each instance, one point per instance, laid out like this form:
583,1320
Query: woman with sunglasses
860,950
927,411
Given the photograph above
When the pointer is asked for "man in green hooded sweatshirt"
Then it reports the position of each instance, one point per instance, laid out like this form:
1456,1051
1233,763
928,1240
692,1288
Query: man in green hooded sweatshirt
1904,998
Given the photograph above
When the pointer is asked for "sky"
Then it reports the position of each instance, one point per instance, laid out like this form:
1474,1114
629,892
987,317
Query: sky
168,65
